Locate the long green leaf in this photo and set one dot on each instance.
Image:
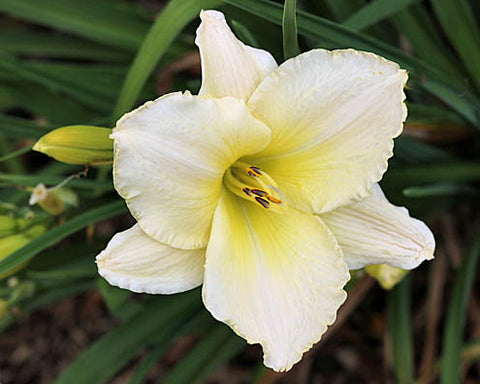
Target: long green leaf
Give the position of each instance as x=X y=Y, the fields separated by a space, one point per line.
x=417 y=175
x=202 y=321
x=53 y=45
x=109 y=22
x=375 y=12
x=439 y=189
x=289 y=29
x=459 y=24
x=342 y=9
x=83 y=93
x=456 y=317
x=176 y=15
x=216 y=348
x=7 y=179
x=399 y=321
x=60 y=232
x=464 y=104
x=16 y=153
x=425 y=40
x=109 y=354
x=11 y=126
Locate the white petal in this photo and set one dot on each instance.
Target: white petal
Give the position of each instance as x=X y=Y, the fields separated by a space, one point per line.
x=229 y=67
x=333 y=116
x=170 y=156
x=135 y=261
x=276 y=279
x=373 y=231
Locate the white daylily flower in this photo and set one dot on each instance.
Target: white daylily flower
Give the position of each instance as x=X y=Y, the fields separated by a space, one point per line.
x=263 y=188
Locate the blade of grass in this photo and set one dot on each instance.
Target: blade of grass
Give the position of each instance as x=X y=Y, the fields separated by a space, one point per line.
x=411 y=151
x=375 y=12
x=116 y=299
x=440 y=189
x=244 y=34
x=399 y=320
x=33 y=180
x=459 y=25
x=201 y=322
x=81 y=92
x=289 y=29
x=462 y=102
x=58 y=233
x=424 y=38
x=456 y=315
x=15 y=154
x=44 y=104
x=53 y=45
x=219 y=346
x=169 y=23
x=110 y=22
x=17 y=127
x=343 y=9
x=449 y=172
x=111 y=352
x=77 y=269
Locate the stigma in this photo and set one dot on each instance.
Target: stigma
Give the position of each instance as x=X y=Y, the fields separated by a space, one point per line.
x=253 y=184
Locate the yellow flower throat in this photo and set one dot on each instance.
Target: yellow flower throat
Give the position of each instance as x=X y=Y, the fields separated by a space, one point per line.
x=253 y=184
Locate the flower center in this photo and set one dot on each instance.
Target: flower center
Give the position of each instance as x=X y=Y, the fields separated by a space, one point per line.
x=253 y=184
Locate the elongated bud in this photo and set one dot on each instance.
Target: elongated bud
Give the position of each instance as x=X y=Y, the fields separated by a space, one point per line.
x=8 y=225
x=386 y=275
x=10 y=244
x=78 y=144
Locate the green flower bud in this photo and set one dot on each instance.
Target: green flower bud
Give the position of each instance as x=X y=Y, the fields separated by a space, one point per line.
x=8 y=225
x=78 y=144
x=10 y=244
x=386 y=275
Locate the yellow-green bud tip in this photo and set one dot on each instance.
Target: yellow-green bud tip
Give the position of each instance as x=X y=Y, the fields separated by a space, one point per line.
x=77 y=144
x=386 y=275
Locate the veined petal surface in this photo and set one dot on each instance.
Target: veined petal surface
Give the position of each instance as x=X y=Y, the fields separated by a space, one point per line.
x=135 y=261
x=374 y=231
x=276 y=279
x=229 y=67
x=170 y=156
x=333 y=116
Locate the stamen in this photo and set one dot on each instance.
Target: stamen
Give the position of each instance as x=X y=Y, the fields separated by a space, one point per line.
x=251 y=183
x=253 y=171
x=264 y=203
x=247 y=191
x=259 y=192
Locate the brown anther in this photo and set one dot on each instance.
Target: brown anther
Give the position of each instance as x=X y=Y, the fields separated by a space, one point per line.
x=264 y=203
x=246 y=190
x=253 y=171
x=259 y=192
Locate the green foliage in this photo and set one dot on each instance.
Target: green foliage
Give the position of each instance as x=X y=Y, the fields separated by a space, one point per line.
x=399 y=321
x=70 y=62
x=453 y=337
